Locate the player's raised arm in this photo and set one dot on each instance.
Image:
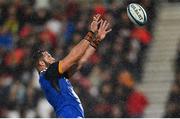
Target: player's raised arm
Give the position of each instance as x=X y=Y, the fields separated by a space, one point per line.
x=78 y=51
x=101 y=33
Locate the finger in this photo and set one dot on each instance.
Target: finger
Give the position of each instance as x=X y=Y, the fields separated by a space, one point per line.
x=108 y=30
x=104 y=24
x=101 y=24
x=96 y=17
x=107 y=25
x=100 y=21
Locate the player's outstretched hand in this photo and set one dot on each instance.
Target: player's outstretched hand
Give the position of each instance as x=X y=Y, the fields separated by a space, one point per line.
x=103 y=29
x=95 y=22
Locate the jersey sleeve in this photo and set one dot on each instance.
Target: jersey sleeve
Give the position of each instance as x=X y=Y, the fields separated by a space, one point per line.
x=60 y=70
x=60 y=67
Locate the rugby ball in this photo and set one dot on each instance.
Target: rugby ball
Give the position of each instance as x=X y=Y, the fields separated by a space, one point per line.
x=137 y=14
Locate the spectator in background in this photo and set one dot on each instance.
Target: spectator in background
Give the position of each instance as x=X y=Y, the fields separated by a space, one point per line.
x=6 y=39
x=11 y=22
x=136 y=102
x=172 y=106
x=3 y=13
x=141 y=39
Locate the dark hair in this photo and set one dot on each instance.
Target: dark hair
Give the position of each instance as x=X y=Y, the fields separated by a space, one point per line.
x=37 y=55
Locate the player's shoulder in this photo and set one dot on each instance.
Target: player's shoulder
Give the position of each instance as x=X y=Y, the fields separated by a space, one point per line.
x=52 y=71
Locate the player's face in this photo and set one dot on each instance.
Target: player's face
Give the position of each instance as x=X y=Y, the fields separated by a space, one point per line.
x=47 y=58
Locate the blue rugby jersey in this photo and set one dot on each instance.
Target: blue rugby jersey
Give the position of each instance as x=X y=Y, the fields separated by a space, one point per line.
x=60 y=94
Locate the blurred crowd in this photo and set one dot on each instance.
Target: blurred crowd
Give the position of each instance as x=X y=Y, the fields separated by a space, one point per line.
x=172 y=106
x=173 y=102
x=105 y=84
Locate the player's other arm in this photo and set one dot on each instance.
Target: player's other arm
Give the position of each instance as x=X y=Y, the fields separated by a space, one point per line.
x=77 y=52
x=101 y=33
x=89 y=52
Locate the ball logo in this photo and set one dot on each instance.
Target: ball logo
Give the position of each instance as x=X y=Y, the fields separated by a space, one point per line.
x=137 y=14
